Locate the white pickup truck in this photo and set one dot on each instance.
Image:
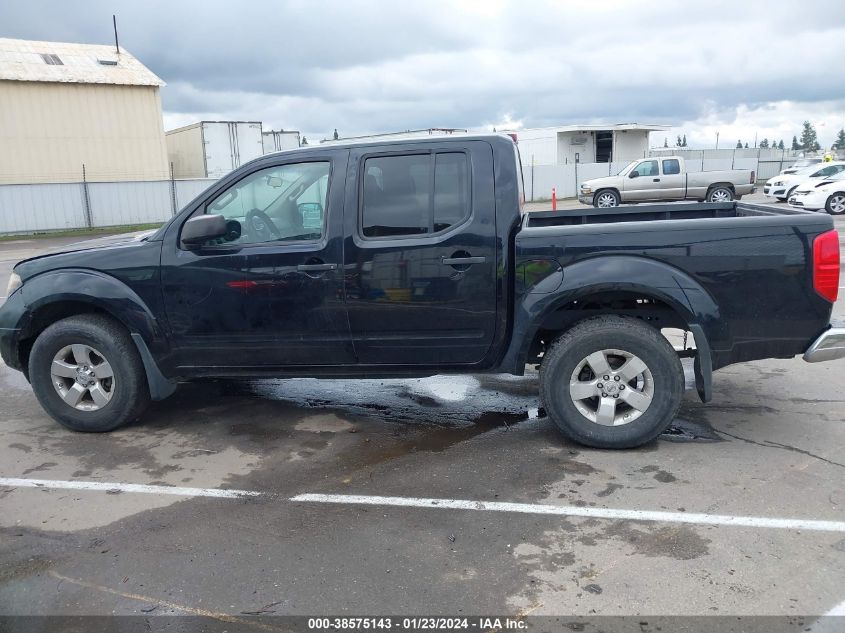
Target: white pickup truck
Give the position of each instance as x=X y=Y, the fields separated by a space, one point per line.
x=666 y=178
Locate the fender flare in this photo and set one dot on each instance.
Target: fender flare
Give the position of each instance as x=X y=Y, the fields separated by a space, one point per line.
x=111 y=296
x=637 y=274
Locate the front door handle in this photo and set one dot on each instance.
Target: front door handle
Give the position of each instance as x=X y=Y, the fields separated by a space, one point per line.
x=657 y=180
x=315 y=268
x=462 y=261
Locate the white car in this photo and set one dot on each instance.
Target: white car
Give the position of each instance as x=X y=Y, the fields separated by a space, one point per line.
x=798 y=165
x=827 y=194
x=781 y=187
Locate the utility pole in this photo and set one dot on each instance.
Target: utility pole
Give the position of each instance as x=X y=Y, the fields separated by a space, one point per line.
x=717 y=140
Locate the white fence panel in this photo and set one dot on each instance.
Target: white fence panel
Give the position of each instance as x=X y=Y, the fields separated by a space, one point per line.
x=116 y=203
x=41 y=207
x=187 y=190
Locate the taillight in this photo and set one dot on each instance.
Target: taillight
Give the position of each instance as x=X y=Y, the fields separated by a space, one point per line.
x=751 y=182
x=826 y=265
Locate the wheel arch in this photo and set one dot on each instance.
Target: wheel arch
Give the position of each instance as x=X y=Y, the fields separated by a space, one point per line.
x=57 y=295
x=661 y=295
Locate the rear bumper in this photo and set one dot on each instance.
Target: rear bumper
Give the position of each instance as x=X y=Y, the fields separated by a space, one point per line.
x=830 y=345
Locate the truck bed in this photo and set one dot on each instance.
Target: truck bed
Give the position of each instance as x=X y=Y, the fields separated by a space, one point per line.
x=751 y=264
x=651 y=212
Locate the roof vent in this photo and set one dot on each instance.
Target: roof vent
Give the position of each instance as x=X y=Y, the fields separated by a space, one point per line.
x=107 y=62
x=51 y=60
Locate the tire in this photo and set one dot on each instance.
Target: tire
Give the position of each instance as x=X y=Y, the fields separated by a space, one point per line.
x=79 y=346
x=606 y=199
x=720 y=193
x=660 y=385
x=835 y=204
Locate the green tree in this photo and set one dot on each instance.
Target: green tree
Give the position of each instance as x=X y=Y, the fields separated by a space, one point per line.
x=739 y=144
x=335 y=135
x=809 y=139
x=304 y=141
x=678 y=143
x=764 y=144
x=684 y=141
x=665 y=142
x=780 y=145
x=840 y=139
x=746 y=146
x=795 y=144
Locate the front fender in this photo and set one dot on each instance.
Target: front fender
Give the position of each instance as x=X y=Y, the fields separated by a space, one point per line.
x=98 y=290
x=641 y=275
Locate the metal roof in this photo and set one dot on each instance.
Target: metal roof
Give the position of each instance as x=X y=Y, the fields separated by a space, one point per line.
x=29 y=60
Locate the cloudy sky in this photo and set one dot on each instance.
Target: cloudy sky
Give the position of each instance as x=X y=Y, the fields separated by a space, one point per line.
x=361 y=66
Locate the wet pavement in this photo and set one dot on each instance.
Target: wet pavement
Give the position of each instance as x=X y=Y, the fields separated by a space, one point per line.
x=771 y=444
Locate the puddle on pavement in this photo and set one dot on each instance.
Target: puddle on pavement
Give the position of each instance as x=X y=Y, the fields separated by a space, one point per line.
x=686 y=430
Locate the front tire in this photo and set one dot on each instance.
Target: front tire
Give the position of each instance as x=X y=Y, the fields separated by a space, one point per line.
x=606 y=199
x=611 y=382
x=88 y=375
x=835 y=204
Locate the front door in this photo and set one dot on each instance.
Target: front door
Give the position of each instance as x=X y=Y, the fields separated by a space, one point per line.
x=269 y=293
x=643 y=182
x=420 y=254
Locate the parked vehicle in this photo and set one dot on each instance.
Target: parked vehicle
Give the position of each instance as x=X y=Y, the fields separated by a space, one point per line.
x=666 y=178
x=829 y=194
x=782 y=187
x=413 y=258
x=211 y=149
x=280 y=140
x=800 y=164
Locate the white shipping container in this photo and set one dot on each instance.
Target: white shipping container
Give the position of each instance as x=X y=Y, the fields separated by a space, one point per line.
x=211 y=149
x=279 y=140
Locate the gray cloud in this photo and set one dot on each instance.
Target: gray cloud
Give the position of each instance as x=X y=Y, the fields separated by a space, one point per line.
x=371 y=65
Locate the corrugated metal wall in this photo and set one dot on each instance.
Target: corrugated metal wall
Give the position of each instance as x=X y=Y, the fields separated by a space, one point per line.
x=50 y=206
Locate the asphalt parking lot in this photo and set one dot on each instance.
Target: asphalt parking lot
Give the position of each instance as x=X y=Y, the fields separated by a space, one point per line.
x=743 y=504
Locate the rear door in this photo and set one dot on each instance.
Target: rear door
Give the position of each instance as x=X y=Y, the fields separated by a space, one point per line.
x=420 y=253
x=643 y=182
x=672 y=180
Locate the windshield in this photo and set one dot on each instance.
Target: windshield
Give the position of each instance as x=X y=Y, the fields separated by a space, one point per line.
x=627 y=168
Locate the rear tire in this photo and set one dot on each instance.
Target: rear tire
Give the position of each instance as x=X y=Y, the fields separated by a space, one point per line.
x=88 y=375
x=835 y=204
x=606 y=199
x=606 y=419
x=720 y=193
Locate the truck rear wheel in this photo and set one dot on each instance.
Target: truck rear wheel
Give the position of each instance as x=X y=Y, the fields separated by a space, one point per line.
x=720 y=193
x=88 y=375
x=611 y=382
x=606 y=199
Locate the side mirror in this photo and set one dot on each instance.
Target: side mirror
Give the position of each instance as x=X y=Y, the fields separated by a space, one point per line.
x=634 y=174
x=202 y=228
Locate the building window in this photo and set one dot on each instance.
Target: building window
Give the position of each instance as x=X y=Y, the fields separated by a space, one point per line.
x=51 y=60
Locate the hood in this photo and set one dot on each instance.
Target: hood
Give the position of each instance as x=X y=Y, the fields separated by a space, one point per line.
x=84 y=253
x=595 y=183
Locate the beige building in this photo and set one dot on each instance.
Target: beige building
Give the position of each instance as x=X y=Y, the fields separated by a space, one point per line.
x=63 y=106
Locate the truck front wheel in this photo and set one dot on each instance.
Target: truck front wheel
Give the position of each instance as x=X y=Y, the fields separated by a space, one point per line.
x=611 y=382
x=87 y=374
x=606 y=199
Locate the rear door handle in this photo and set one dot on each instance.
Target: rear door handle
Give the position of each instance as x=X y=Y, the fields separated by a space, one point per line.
x=315 y=268
x=462 y=261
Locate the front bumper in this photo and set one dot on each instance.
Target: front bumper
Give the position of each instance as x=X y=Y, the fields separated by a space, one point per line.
x=807 y=201
x=585 y=198
x=830 y=345
x=11 y=318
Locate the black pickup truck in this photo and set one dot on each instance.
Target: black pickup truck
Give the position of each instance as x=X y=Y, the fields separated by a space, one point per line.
x=413 y=258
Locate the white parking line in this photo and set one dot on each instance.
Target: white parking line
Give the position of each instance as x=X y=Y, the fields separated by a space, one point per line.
x=446 y=504
x=597 y=513
x=830 y=622
x=140 y=488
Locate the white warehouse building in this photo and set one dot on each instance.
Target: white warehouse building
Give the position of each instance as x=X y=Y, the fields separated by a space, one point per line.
x=563 y=145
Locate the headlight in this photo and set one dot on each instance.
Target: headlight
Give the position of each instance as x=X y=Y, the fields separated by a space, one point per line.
x=586 y=188
x=14 y=283
x=777 y=183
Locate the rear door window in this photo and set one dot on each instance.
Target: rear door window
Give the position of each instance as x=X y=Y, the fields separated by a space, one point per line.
x=671 y=167
x=414 y=194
